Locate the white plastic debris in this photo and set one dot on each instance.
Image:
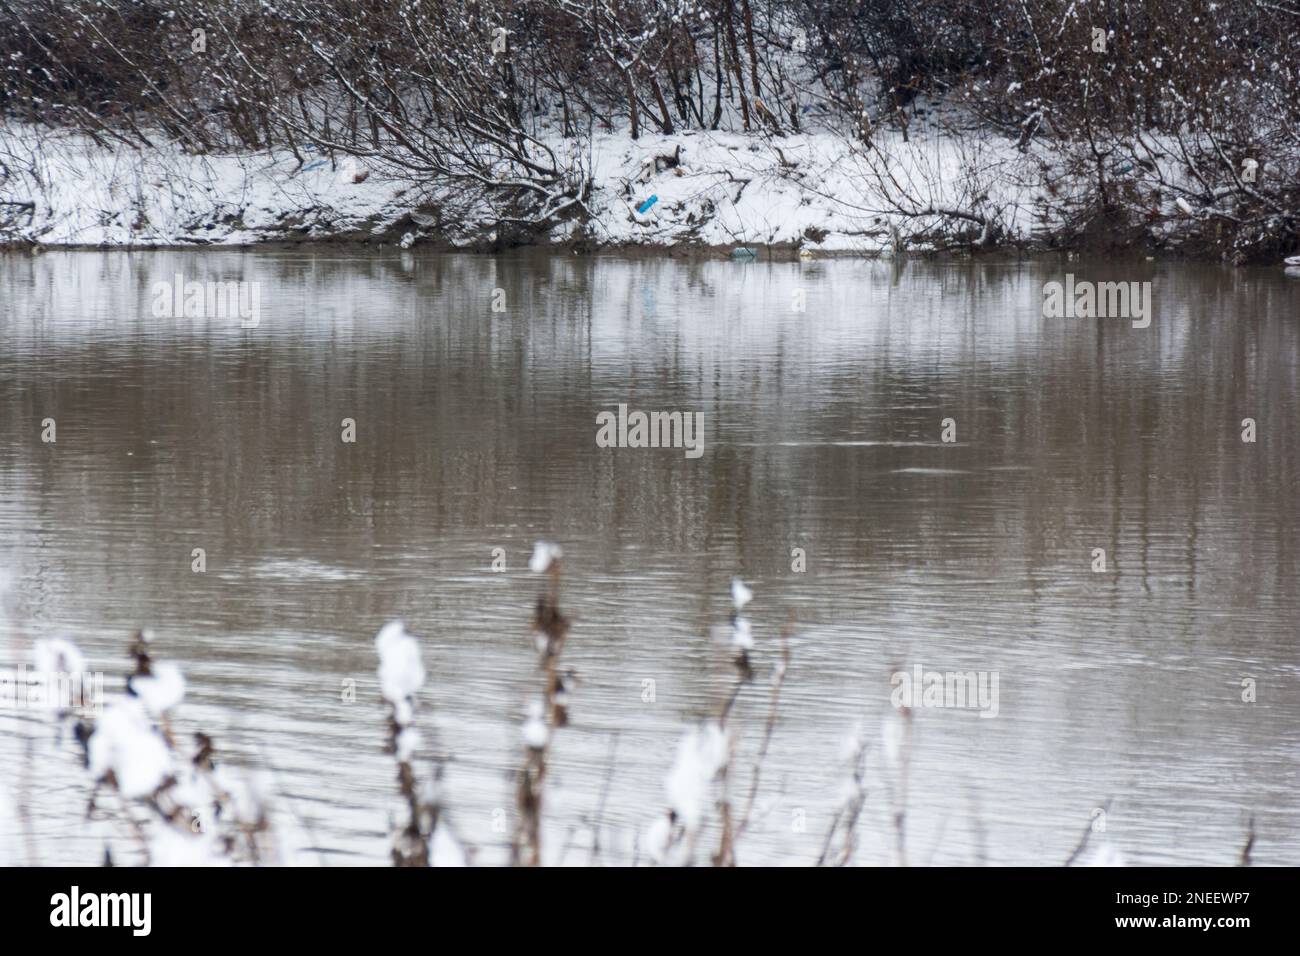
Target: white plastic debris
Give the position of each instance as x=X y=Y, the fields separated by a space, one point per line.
x=543 y=554
x=407 y=240
x=740 y=594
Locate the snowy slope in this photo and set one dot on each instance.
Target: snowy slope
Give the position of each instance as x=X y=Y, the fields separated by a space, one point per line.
x=816 y=191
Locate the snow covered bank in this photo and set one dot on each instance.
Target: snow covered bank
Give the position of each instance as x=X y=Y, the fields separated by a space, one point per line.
x=810 y=192
x=853 y=128
x=694 y=189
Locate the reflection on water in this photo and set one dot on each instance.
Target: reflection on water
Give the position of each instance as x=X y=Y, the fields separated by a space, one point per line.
x=475 y=430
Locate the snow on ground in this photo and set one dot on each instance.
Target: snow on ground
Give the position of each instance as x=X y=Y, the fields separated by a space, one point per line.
x=813 y=190
x=86 y=194
x=810 y=190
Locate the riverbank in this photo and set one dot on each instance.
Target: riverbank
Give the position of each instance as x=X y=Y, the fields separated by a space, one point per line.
x=698 y=192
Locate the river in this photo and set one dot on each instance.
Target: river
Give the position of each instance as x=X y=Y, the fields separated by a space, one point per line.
x=1154 y=698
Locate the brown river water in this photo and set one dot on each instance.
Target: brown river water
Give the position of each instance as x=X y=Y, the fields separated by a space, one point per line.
x=475 y=430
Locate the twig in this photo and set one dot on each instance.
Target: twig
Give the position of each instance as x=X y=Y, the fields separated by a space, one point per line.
x=1087 y=835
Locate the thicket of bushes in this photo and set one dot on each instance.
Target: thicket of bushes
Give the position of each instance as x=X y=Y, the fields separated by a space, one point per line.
x=1133 y=103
